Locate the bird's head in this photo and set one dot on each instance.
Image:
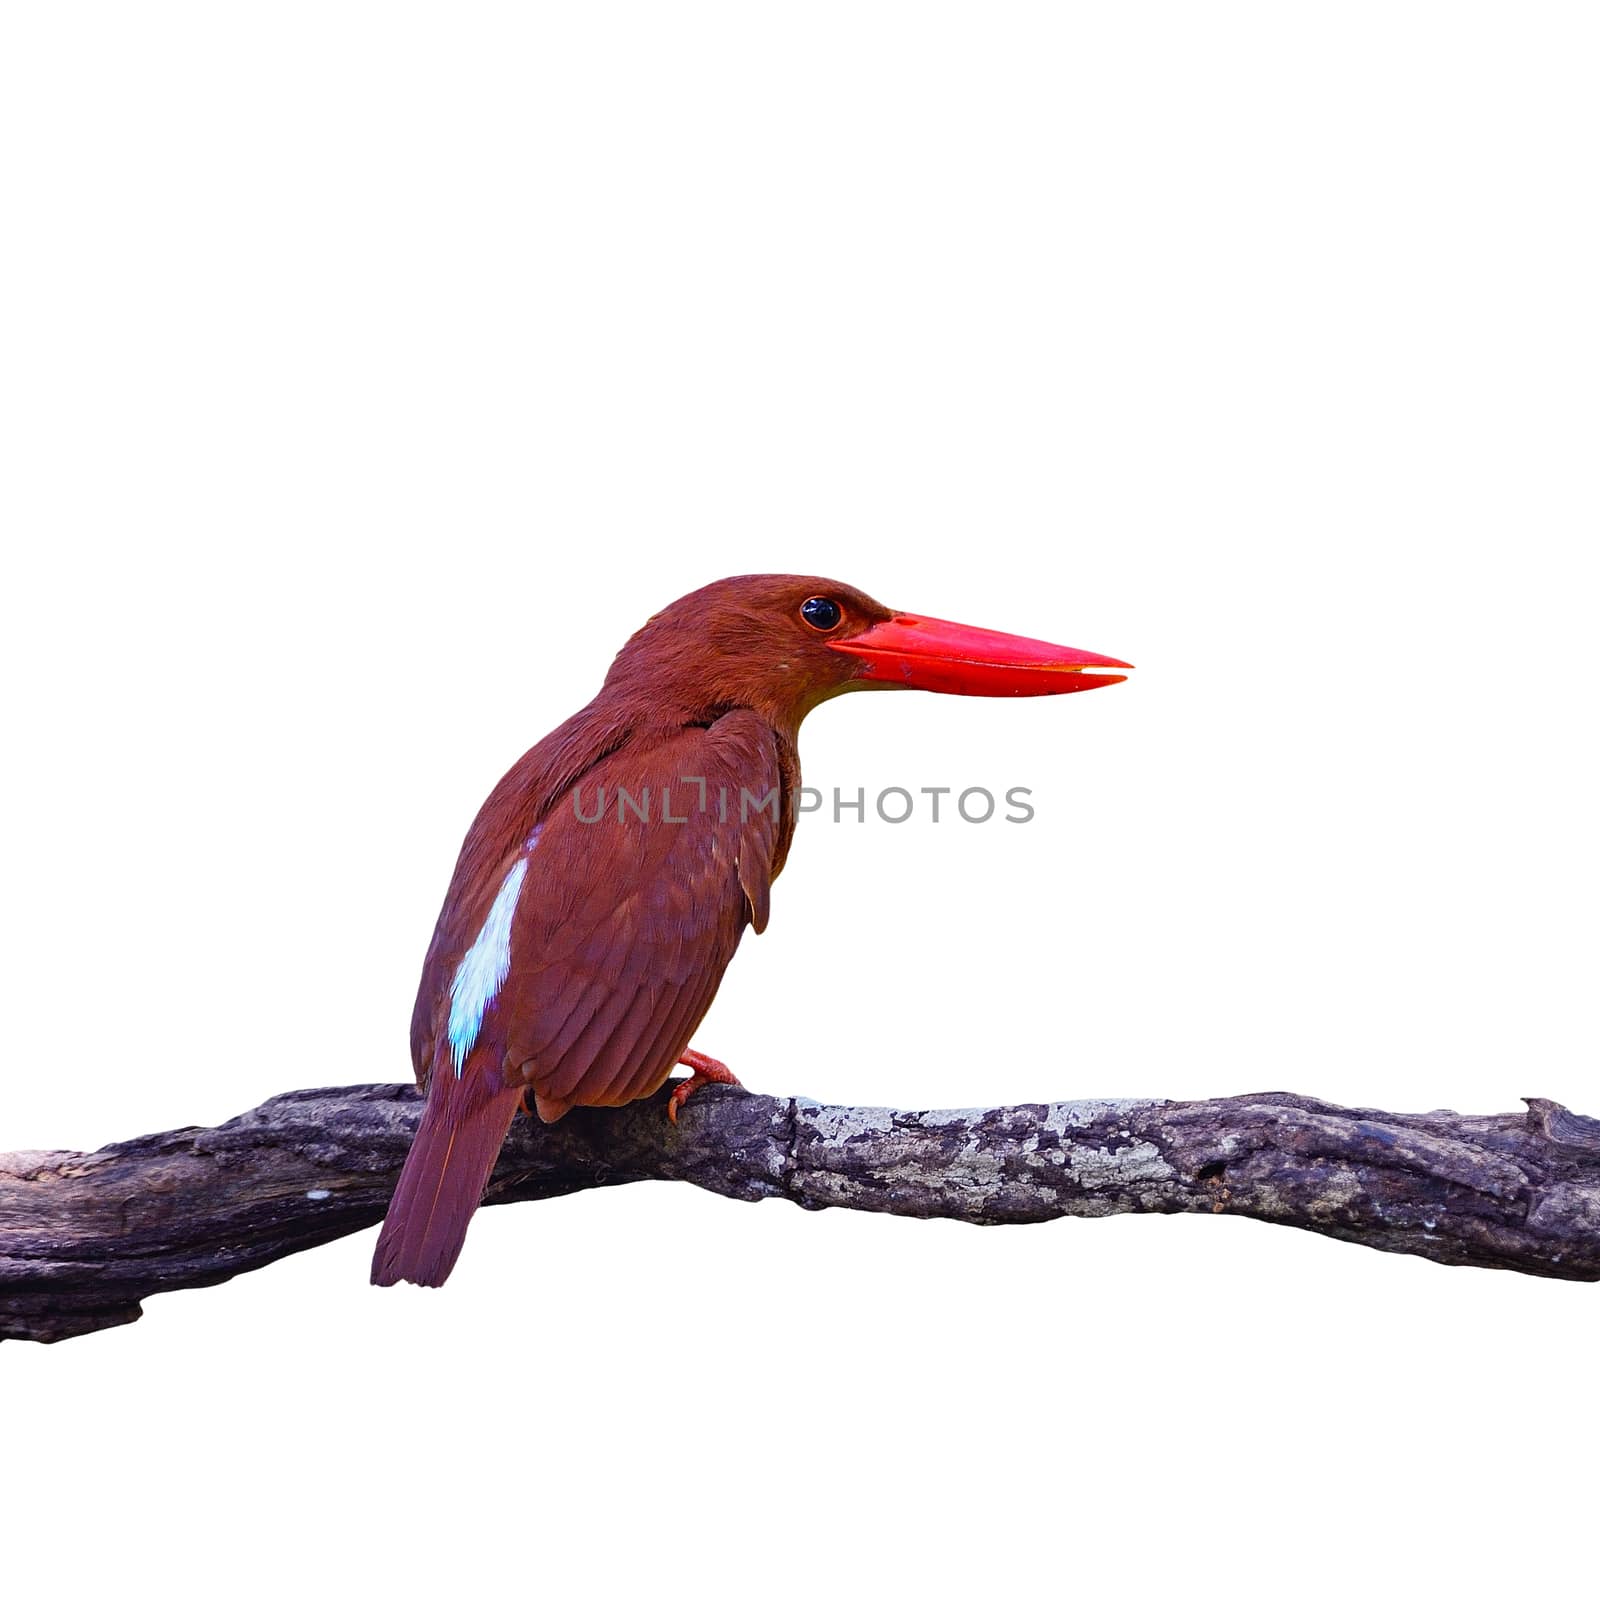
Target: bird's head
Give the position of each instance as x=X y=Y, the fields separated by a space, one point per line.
x=783 y=644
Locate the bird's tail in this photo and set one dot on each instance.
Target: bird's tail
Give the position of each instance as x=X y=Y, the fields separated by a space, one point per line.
x=464 y=1123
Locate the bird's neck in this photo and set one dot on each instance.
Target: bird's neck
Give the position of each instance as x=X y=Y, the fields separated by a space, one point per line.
x=655 y=710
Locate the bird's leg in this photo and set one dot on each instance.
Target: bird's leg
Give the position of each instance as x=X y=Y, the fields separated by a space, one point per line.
x=706 y=1070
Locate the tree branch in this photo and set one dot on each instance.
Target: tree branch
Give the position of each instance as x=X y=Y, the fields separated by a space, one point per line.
x=84 y=1238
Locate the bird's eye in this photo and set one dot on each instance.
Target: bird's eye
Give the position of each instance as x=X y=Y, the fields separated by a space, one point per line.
x=823 y=614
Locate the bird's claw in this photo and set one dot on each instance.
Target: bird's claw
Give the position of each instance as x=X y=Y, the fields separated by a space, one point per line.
x=706 y=1070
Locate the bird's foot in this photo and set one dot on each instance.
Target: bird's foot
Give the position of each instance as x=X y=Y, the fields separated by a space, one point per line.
x=706 y=1070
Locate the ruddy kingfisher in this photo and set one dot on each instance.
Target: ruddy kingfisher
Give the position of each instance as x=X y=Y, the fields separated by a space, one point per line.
x=606 y=882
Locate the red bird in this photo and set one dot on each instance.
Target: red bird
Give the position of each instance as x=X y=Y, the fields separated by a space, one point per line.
x=606 y=882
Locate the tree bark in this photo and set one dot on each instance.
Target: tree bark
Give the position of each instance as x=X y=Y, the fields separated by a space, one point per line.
x=84 y=1238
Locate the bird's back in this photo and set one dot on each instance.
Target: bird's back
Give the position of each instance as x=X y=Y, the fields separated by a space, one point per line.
x=613 y=908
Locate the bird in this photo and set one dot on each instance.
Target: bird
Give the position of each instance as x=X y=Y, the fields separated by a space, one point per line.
x=607 y=880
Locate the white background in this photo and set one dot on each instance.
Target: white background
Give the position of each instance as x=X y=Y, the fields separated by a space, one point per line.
x=371 y=372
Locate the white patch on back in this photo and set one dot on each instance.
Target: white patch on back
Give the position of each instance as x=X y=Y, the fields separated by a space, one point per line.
x=484 y=967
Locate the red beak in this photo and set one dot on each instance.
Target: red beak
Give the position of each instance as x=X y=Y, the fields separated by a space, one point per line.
x=950 y=658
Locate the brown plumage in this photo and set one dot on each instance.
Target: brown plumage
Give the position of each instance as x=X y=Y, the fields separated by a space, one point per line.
x=606 y=882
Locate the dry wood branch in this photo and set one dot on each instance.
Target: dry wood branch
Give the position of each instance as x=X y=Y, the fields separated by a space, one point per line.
x=84 y=1238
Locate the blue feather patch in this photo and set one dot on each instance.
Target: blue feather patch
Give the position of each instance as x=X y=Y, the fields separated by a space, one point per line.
x=484 y=967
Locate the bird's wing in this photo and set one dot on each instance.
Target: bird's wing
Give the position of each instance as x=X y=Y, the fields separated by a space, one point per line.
x=620 y=928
